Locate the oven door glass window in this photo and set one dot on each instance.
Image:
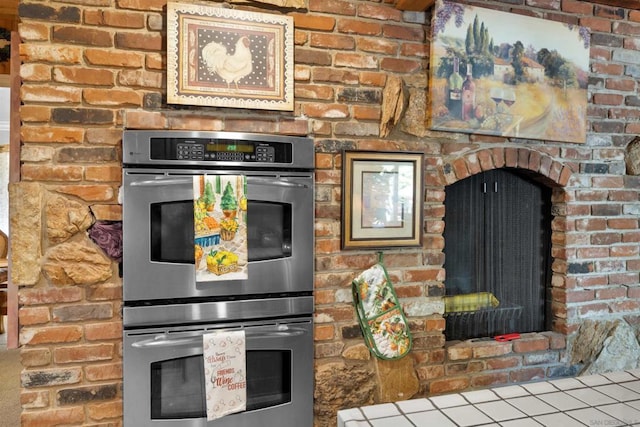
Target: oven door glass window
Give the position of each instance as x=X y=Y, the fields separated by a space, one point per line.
x=178 y=390
x=172 y=238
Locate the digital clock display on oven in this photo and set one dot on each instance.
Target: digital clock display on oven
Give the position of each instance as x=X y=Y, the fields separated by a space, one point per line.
x=229 y=148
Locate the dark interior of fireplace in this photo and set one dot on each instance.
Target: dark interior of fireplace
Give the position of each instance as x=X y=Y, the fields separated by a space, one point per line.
x=497 y=255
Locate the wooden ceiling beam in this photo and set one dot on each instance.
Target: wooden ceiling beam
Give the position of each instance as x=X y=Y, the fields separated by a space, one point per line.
x=9 y=7
x=420 y=5
x=627 y=4
x=415 y=5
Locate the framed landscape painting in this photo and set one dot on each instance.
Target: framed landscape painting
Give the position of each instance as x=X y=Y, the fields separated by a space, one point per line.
x=503 y=74
x=224 y=57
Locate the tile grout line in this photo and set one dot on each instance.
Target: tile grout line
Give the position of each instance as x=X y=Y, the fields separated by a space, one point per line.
x=616 y=394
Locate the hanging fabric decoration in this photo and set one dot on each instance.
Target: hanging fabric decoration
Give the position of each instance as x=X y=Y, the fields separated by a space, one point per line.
x=220 y=227
x=225 y=373
x=381 y=318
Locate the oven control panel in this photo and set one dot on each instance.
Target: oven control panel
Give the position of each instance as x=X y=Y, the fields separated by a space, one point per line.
x=225 y=153
x=207 y=149
x=220 y=150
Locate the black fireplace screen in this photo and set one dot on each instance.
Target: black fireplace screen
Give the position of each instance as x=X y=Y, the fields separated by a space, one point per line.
x=497 y=255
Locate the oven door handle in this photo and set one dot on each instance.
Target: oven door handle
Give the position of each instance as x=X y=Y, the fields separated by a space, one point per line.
x=162 y=340
x=250 y=179
x=273 y=183
x=161 y=182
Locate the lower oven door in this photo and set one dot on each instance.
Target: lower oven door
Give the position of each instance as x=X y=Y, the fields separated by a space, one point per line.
x=164 y=376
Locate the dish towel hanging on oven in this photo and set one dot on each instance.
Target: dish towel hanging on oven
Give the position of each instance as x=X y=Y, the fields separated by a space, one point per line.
x=220 y=227
x=225 y=373
x=384 y=326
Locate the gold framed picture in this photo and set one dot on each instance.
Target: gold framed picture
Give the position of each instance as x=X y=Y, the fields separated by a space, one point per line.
x=224 y=57
x=382 y=199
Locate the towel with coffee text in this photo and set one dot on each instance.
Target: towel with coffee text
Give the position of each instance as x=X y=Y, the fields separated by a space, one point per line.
x=225 y=373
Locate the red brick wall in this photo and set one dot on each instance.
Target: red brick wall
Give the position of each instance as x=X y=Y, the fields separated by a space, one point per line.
x=92 y=68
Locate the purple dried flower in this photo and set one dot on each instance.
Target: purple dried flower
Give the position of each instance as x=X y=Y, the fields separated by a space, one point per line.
x=108 y=236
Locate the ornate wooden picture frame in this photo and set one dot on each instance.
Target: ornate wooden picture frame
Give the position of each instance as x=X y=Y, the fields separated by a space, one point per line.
x=224 y=57
x=382 y=199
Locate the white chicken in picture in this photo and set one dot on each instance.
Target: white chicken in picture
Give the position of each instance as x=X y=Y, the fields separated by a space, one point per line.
x=231 y=68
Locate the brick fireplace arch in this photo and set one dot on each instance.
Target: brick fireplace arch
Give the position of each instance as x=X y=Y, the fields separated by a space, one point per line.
x=552 y=172
x=544 y=169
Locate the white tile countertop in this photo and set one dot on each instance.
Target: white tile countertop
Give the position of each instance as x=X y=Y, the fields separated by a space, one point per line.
x=605 y=400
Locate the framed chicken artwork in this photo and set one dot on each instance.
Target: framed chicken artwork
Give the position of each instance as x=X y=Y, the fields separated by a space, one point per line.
x=224 y=57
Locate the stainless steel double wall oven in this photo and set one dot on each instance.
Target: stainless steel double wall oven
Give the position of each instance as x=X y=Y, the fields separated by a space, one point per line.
x=166 y=311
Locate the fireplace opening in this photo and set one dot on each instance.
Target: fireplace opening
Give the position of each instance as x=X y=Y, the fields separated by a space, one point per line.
x=497 y=255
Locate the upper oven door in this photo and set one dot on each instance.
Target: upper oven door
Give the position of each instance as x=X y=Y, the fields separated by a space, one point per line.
x=158 y=236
